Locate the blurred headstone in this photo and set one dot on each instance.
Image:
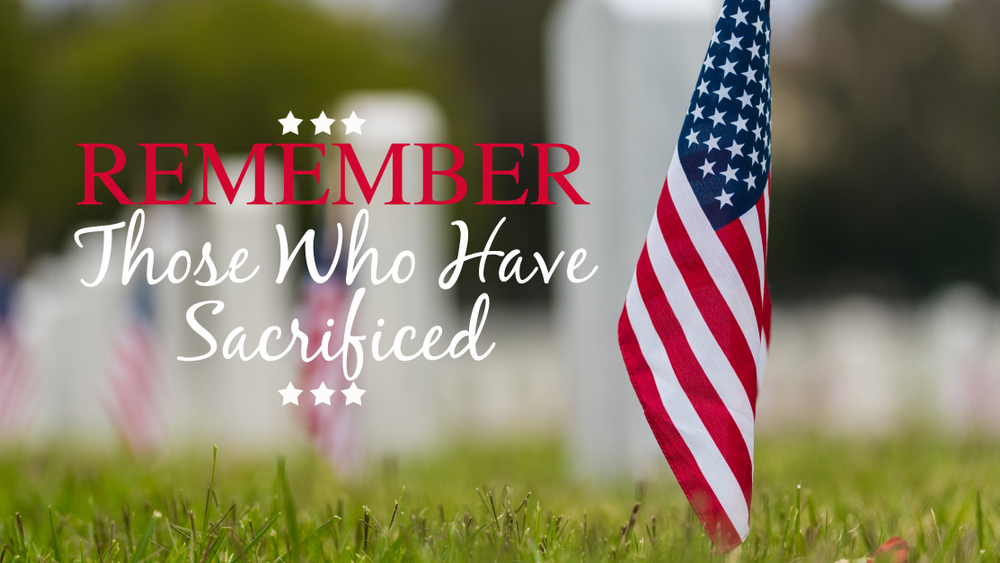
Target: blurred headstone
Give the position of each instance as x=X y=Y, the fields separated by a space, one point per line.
x=621 y=74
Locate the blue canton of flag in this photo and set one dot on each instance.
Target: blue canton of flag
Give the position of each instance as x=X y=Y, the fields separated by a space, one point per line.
x=725 y=145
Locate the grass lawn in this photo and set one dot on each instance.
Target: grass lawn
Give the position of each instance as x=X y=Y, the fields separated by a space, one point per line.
x=515 y=502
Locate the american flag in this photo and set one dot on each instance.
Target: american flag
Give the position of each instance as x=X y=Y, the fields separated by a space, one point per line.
x=134 y=375
x=335 y=429
x=696 y=324
x=14 y=388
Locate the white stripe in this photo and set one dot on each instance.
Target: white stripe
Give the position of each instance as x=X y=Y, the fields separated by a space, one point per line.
x=761 y=357
x=703 y=344
x=713 y=254
x=751 y=224
x=689 y=425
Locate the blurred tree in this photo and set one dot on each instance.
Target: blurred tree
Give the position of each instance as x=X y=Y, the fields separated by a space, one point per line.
x=219 y=71
x=899 y=195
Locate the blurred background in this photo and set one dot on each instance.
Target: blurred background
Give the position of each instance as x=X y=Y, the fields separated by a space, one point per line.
x=884 y=257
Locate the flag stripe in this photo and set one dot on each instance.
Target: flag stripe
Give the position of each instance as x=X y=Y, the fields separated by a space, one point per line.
x=649 y=366
x=701 y=392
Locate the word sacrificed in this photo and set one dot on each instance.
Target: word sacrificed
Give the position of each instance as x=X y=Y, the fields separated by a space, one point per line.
x=351 y=352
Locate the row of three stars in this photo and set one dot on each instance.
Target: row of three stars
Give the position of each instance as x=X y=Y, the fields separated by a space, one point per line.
x=291 y=395
x=290 y=124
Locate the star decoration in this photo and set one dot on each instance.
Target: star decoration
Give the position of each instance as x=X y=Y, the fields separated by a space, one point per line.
x=707 y=169
x=734 y=42
x=718 y=118
x=746 y=99
x=751 y=181
x=353 y=125
x=692 y=139
x=696 y=112
x=735 y=150
x=709 y=62
x=323 y=394
x=740 y=17
x=741 y=124
x=703 y=87
x=725 y=199
x=730 y=174
x=322 y=123
x=715 y=38
x=353 y=394
x=712 y=143
x=723 y=92
x=728 y=68
x=759 y=26
x=751 y=75
x=754 y=51
x=290 y=394
x=290 y=124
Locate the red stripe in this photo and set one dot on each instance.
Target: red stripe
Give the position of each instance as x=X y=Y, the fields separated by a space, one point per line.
x=706 y=295
x=737 y=243
x=691 y=376
x=692 y=481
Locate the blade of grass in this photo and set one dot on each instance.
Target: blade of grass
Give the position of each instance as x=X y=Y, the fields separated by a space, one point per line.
x=259 y=535
x=211 y=484
x=140 y=549
x=56 y=552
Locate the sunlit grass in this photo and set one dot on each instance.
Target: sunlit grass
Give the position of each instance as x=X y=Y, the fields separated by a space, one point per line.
x=515 y=502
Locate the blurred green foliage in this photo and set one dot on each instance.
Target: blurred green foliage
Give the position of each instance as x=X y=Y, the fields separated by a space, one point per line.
x=899 y=193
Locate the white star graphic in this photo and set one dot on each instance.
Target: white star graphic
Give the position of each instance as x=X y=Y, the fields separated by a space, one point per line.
x=753 y=156
x=740 y=17
x=734 y=42
x=703 y=87
x=712 y=143
x=751 y=75
x=353 y=394
x=746 y=98
x=715 y=38
x=323 y=394
x=735 y=150
x=730 y=174
x=290 y=394
x=767 y=35
x=692 y=139
x=322 y=123
x=290 y=124
x=763 y=5
x=754 y=51
x=718 y=118
x=707 y=169
x=741 y=124
x=725 y=199
x=759 y=26
x=751 y=182
x=723 y=92
x=353 y=125
x=767 y=56
x=709 y=63
x=756 y=132
x=728 y=68
x=696 y=112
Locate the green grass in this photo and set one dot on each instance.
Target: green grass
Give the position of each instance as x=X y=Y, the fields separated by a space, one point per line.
x=502 y=503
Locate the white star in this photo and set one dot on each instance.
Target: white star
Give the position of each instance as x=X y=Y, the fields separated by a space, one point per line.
x=290 y=394
x=767 y=57
x=703 y=87
x=290 y=124
x=735 y=150
x=733 y=42
x=723 y=92
x=707 y=169
x=740 y=17
x=730 y=174
x=741 y=124
x=746 y=98
x=718 y=118
x=692 y=139
x=696 y=112
x=753 y=156
x=760 y=107
x=712 y=143
x=751 y=75
x=759 y=26
x=728 y=68
x=754 y=51
x=353 y=124
x=322 y=123
x=756 y=132
x=725 y=199
x=709 y=63
x=751 y=181
x=715 y=38
x=353 y=394
x=763 y=6
x=323 y=394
